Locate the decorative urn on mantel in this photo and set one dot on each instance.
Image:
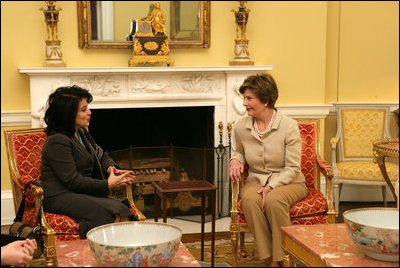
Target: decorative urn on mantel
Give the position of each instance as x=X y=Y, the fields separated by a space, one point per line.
x=53 y=45
x=241 y=44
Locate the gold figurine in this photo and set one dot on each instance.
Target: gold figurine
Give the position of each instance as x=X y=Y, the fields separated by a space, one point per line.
x=241 y=44
x=150 y=43
x=53 y=45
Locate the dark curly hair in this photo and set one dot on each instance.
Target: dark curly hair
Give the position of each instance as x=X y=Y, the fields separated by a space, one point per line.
x=263 y=86
x=62 y=109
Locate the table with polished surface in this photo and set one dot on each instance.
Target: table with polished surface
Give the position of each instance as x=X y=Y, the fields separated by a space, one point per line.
x=325 y=245
x=386 y=148
x=161 y=189
x=77 y=253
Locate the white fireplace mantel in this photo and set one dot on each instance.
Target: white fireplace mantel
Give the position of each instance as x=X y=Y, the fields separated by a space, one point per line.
x=139 y=87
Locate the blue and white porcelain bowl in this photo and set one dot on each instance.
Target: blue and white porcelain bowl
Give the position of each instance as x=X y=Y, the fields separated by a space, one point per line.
x=376 y=230
x=134 y=244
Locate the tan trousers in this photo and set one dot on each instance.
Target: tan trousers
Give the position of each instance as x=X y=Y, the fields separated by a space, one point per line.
x=265 y=226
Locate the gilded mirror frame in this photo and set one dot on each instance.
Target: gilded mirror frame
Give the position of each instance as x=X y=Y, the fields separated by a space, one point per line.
x=85 y=32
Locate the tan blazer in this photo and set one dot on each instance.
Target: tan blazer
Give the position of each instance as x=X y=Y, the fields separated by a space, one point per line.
x=275 y=158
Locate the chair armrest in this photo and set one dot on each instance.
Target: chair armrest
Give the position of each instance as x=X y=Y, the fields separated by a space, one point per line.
x=235 y=196
x=234 y=225
x=327 y=171
x=325 y=168
x=49 y=235
x=334 y=141
x=129 y=196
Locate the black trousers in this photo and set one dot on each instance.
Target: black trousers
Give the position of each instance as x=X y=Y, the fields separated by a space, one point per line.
x=7 y=239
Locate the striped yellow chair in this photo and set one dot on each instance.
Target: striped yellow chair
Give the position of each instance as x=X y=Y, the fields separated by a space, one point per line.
x=352 y=155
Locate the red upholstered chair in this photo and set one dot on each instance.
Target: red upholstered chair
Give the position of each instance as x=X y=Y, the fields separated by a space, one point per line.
x=313 y=209
x=24 y=149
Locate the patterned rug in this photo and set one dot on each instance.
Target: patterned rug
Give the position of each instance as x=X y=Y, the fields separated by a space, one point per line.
x=223 y=253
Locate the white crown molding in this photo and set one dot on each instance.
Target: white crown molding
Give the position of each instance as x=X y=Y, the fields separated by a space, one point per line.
x=15 y=118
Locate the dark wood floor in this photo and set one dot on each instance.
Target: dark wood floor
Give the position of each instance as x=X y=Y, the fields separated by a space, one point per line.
x=188 y=238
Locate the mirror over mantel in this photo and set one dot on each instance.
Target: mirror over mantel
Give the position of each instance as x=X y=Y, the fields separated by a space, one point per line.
x=107 y=24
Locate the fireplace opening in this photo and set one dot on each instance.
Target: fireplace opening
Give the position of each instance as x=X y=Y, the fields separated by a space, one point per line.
x=160 y=144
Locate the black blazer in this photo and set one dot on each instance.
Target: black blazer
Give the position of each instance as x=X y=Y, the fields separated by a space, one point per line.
x=67 y=166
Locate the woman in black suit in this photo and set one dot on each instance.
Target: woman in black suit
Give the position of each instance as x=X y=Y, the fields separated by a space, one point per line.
x=76 y=173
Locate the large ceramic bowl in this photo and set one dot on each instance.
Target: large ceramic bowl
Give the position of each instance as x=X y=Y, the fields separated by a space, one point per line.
x=134 y=244
x=376 y=230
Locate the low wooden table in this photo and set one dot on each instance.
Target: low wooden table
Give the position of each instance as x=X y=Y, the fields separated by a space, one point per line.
x=325 y=245
x=161 y=190
x=77 y=253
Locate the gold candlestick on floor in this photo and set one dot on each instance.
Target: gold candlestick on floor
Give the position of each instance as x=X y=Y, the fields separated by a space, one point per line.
x=53 y=45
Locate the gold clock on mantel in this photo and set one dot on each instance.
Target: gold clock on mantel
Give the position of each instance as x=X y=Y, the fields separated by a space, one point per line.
x=150 y=43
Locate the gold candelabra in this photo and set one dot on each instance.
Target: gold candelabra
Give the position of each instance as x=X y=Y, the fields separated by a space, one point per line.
x=241 y=44
x=53 y=45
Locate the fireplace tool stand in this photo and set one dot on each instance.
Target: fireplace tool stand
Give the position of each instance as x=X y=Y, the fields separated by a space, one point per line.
x=220 y=151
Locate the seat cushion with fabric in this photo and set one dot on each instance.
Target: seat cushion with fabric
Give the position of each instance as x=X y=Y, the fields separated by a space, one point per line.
x=366 y=170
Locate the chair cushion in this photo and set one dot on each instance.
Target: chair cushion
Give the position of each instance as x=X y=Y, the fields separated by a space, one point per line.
x=366 y=170
x=313 y=205
x=59 y=223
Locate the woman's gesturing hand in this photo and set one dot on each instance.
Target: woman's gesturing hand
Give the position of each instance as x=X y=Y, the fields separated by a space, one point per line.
x=123 y=178
x=235 y=170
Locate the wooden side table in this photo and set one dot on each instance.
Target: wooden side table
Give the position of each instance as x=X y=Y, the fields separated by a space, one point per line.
x=163 y=188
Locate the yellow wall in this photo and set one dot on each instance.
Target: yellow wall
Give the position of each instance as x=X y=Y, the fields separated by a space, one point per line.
x=369 y=51
x=321 y=51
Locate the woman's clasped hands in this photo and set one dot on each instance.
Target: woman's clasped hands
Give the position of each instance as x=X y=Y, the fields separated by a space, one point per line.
x=119 y=177
x=18 y=253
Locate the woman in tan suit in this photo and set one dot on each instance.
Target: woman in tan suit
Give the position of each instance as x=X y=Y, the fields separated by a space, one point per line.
x=270 y=144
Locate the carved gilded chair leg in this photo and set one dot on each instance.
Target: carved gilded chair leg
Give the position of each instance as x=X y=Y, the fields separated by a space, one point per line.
x=49 y=249
x=242 y=238
x=234 y=230
x=384 y=195
x=234 y=242
x=336 y=196
x=287 y=260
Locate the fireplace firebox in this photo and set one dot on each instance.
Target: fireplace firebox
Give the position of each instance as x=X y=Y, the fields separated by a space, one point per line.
x=159 y=144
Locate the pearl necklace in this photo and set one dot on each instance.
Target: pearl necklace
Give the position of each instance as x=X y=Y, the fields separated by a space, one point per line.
x=260 y=133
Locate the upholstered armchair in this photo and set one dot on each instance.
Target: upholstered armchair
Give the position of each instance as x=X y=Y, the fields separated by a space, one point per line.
x=24 y=148
x=313 y=209
x=352 y=149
